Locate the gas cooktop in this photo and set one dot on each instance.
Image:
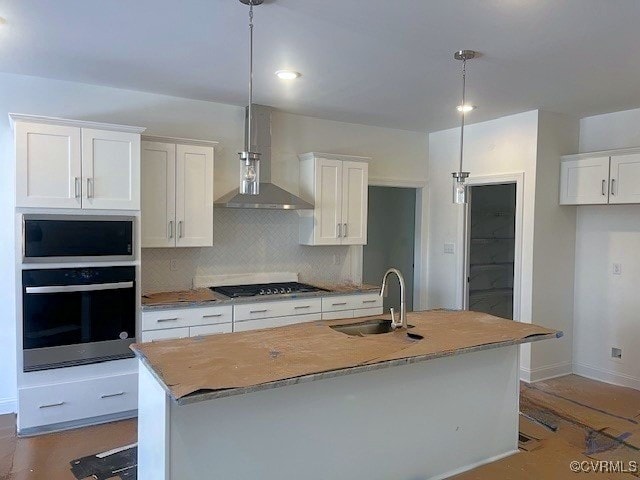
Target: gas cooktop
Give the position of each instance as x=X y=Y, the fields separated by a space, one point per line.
x=235 y=291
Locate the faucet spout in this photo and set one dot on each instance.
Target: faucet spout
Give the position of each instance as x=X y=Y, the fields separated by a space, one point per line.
x=402 y=323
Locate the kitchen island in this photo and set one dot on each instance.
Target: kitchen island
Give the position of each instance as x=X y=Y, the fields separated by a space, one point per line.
x=315 y=401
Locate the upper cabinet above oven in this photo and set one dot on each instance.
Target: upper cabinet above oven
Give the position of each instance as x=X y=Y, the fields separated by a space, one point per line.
x=73 y=164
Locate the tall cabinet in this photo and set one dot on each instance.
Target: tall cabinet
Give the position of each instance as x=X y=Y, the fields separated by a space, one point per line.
x=74 y=164
x=177 y=192
x=337 y=185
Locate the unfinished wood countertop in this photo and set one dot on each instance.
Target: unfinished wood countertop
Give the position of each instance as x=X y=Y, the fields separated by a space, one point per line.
x=203 y=368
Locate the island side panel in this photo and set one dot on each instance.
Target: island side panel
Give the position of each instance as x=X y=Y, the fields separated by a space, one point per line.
x=424 y=420
x=153 y=427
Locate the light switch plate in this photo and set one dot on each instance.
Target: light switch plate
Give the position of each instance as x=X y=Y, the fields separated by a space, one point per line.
x=173 y=265
x=449 y=248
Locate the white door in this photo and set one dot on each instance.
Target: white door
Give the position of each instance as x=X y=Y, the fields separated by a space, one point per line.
x=48 y=166
x=158 y=186
x=110 y=170
x=625 y=179
x=194 y=196
x=328 y=202
x=355 y=189
x=584 y=181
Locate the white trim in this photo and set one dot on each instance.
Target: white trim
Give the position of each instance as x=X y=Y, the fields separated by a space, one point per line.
x=607 y=376
x=396 y=182
x=332 y=156
x=545 y=372
x=463 y=267
x=8 y=405
x=601 y=153
x=21 y=117
x=182 y=141
x=466 y=468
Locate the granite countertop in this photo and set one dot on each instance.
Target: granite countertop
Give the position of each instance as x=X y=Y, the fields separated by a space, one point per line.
x=204 y=297
x=205 y=368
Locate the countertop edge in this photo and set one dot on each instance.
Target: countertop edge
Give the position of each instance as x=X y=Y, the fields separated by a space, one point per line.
x=230 y=392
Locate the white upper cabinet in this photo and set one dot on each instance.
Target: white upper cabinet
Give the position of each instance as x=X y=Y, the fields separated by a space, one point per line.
x=177 y=192
x=611 y=177
x=337 y=185
x=75 y=164
x=110 y=170
x=48 y=167
x=625 y=179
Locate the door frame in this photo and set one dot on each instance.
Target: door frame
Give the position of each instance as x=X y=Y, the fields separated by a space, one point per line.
x=464 y=234
x=420 y=241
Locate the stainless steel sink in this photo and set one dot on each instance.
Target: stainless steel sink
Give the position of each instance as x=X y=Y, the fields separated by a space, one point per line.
x=368 y=327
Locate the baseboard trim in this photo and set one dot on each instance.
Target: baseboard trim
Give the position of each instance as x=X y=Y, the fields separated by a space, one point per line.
x=607 y=376
x=84 y=422
x=466 y=468
x=545 y=372
x=8 y=405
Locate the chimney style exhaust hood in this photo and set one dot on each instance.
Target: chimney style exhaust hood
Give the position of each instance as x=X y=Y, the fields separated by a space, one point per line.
x=271 y=196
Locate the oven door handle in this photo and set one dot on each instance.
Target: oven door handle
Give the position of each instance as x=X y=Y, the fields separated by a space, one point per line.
x=79 y=288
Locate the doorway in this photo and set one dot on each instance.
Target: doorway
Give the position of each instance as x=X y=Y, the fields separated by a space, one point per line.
x=391 y=241
x=491 y=249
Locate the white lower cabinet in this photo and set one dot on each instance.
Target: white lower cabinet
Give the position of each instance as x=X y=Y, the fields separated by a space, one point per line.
x=49 y=406
x=244 y=325
x=165 y=334
x=210 y=329
x=175 y=323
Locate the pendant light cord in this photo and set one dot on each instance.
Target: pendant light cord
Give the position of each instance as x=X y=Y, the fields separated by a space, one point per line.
x=464 y=74
x=248 y=140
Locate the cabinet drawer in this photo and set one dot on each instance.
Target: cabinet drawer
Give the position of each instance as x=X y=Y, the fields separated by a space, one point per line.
x=351 y=302
x=210 y=329
x=251 y=311
x=367 y=312
x=166 y=334
x=186 y=317
x=340 y=314
x=245 y=325
x=65 y=402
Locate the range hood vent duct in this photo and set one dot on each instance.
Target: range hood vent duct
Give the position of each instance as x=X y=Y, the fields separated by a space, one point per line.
x=271 y=196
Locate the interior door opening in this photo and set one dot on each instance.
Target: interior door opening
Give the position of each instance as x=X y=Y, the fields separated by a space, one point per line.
x=491 y=249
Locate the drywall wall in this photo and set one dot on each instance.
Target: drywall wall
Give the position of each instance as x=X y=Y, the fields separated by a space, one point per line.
x=606 y=306
x=529 y=143
x=396 y=154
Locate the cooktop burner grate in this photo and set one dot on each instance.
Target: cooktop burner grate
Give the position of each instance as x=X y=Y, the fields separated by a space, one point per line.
x=235 y=291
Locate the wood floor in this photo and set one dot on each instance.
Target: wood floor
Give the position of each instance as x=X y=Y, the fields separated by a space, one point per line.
x=562 y=420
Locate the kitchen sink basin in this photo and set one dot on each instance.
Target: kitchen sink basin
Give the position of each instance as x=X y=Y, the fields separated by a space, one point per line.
x=368 y=327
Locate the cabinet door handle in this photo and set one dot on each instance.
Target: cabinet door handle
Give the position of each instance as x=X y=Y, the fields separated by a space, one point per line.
x=340 y=303
x=344 y=230
x=162 y=320
x=613 y=182
x=89 y=188
x=258 y=311
x=52 y=405
x=76 y=187
x=109 y=395
x=339 y=230
x=180 y=229
x=212 y=315
x=604 y=186
x=302 y=306
x=170 y=228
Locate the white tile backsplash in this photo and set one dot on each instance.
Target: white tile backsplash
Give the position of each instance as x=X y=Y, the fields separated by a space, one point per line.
x=246 y=241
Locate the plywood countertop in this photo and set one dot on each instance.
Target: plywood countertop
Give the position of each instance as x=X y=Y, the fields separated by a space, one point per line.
x=204 y=368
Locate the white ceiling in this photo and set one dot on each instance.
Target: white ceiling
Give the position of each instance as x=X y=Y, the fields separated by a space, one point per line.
x=377 y=62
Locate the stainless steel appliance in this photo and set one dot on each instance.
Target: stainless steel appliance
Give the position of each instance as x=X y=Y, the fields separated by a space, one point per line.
x=75 y=316
x=235 y=291
x=70 y=238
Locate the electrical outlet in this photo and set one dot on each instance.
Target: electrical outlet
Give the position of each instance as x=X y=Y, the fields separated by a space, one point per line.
x=617 y=269
x=450 y=248
x=616 y=353
x=173 y=264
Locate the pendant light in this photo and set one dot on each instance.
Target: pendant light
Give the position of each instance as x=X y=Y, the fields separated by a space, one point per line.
x=250 y=161
x=459 y=187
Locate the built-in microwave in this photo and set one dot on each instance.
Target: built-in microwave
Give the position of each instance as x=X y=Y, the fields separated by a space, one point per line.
x=76 y=238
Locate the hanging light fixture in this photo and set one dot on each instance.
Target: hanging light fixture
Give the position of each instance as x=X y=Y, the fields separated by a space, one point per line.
x=250 y=161
x=459 y=187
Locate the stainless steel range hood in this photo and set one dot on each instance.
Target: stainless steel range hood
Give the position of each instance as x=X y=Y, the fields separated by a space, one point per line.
x=271 y=196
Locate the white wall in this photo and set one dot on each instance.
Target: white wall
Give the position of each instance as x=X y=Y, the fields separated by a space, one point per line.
x=396 y=154
x=607 y=306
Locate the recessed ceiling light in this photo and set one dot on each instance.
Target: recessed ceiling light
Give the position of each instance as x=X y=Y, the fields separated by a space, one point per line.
x=465 y=108
x=287 y=74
